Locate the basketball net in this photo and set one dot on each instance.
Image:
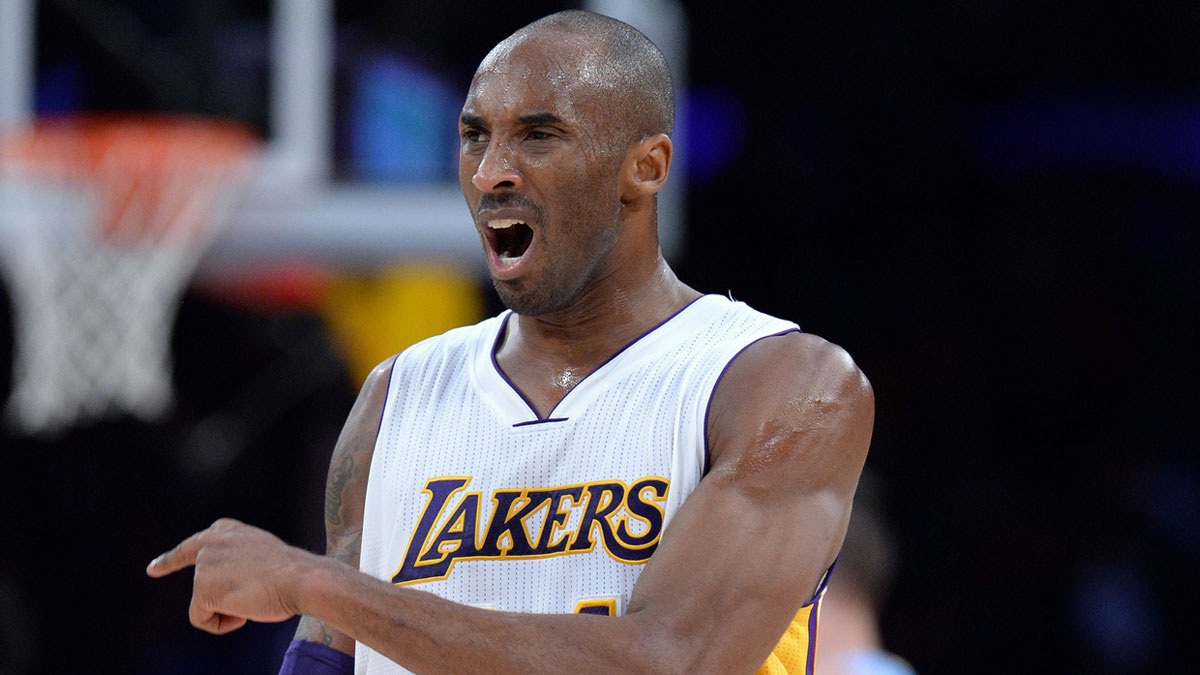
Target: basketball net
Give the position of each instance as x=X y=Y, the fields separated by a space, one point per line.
x=103 y=221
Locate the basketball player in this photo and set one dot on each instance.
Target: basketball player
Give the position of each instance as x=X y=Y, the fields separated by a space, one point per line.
x=617 y=475
x=851 y=640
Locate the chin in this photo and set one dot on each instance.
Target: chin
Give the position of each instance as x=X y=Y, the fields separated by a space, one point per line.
x=527 y=302
x=521 y=303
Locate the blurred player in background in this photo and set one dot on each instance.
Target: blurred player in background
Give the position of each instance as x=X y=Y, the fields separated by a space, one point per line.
x=619 y=474
x=850 y=639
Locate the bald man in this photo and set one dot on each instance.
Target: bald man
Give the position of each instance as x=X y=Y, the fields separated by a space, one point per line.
x=616 y=475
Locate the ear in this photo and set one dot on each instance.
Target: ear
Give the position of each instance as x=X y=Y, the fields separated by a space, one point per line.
x=646 y=167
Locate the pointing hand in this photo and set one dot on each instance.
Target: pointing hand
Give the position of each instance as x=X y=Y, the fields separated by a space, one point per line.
x=242 y=573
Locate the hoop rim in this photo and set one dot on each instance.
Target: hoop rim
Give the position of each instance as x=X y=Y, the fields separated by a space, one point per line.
x=151 y=174
x=199 y=138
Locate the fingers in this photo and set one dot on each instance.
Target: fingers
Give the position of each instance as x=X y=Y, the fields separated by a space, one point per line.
x=213 y=622
x=203 y=618
x=228 y=624
x=183 y=555
x=229 y=586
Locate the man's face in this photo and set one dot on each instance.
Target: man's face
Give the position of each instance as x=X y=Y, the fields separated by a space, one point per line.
x=539 y=169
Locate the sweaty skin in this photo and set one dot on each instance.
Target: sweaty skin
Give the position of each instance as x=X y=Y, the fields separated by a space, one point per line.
x=788 y=430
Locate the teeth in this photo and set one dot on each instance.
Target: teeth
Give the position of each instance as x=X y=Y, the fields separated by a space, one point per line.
x=503 y=223
x=508 y=260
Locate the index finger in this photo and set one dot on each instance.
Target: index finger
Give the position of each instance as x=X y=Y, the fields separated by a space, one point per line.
x=183 y=555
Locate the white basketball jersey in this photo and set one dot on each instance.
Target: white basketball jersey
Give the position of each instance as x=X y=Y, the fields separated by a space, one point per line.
x=474 y=498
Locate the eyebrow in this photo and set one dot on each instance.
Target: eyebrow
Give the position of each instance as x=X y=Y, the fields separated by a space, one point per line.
x=473 y=120
x=540 y=118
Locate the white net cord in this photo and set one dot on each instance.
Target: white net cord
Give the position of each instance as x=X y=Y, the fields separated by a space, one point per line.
x=93 y=312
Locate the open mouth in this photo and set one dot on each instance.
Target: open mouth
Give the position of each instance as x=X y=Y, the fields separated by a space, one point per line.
x=510 y=238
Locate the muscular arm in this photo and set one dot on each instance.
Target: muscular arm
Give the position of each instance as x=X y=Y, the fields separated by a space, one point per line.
x=789 y=428
x=345 y=494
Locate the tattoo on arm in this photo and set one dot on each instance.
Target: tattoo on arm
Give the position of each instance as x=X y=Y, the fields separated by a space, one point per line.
x=345 y=493
x=343 y=542
x=339 y=474
x=313 y=630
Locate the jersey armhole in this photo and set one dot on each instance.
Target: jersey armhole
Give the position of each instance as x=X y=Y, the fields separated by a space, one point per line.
x=716 y=383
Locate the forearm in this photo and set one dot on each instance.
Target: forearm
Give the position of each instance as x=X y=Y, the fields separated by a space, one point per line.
x=425 y=633
x=315 y=630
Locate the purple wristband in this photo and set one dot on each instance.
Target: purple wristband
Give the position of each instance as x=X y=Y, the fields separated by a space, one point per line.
x=310 y=658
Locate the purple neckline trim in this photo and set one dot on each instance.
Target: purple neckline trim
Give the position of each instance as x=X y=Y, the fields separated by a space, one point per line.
x=548 y=420
x=503 y=375
x=549 y=416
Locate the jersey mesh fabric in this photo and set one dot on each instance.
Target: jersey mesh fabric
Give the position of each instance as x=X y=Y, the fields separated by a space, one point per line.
x=451 y=415
x=796 y=650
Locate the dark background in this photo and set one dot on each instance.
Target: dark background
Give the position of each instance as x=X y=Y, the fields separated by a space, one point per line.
x=991 y=205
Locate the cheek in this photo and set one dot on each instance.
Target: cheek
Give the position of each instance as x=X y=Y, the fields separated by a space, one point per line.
x=592 y=207
x=587 y=191
x=603 y=185
x=467 y=162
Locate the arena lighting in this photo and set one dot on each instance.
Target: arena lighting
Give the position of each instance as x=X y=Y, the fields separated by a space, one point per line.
x=294 y=208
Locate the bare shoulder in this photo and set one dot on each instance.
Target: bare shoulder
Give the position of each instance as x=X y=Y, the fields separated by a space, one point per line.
x=358 y=434
x=363 y=423
x=373 y=394
x=795 y=408
x=350 y=463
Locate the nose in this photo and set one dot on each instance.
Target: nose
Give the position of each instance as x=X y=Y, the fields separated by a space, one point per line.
x=495 y=170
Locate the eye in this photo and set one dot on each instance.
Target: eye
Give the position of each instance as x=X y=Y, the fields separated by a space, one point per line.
x=539 y=135
x=473 y=135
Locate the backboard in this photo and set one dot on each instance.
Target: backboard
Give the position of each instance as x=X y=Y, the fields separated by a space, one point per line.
x=306 y=204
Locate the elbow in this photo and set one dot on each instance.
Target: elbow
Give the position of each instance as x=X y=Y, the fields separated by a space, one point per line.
x=655 y=647
x=661 y=650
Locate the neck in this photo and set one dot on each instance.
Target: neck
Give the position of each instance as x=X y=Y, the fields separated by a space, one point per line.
x=605 y=319
x=546 y=356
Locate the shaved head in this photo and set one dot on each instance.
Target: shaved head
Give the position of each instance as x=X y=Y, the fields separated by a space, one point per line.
x=563 y=148
x=619 y=61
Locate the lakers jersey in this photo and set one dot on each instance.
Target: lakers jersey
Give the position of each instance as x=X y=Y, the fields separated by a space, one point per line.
x=474 y=497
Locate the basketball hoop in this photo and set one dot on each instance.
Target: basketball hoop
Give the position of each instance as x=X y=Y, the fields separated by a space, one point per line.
x=102 y=223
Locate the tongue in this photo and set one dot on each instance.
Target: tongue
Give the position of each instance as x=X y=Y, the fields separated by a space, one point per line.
x=512 y=242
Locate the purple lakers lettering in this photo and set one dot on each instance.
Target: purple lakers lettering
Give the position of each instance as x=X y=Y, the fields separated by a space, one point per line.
x=625 y=519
